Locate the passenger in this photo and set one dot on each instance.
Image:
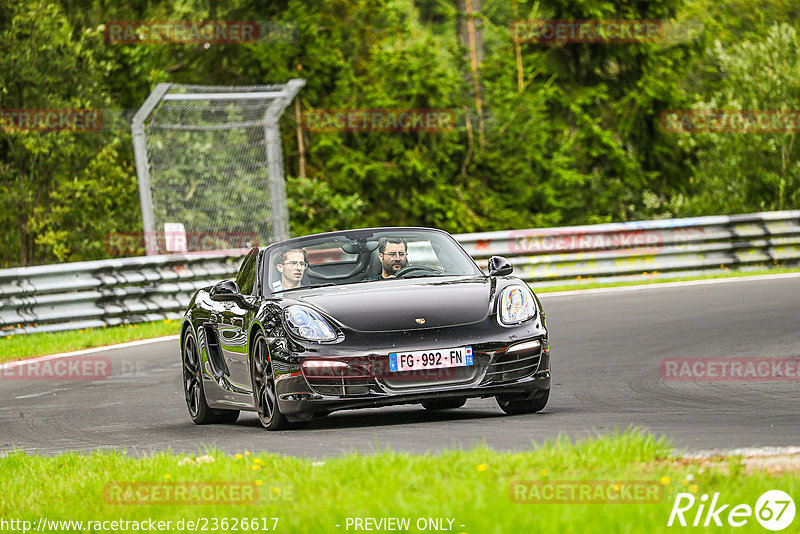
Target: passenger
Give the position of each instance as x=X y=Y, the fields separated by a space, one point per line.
x=292 y=266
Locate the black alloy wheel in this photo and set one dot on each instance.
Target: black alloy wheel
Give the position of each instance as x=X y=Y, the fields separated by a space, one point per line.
x=264 y=392
x=199 y=411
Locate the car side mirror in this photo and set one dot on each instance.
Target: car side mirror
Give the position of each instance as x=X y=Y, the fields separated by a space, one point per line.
x=228 y=291
x=500 y=266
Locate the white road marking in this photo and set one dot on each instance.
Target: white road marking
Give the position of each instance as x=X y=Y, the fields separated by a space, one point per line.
x=18 y=363
x=666 y=285
x=42 y=393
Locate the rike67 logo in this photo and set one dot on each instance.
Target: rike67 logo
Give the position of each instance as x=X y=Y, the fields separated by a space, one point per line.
x=774 y=510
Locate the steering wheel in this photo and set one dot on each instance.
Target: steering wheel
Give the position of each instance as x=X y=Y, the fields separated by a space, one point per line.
x=411 y=268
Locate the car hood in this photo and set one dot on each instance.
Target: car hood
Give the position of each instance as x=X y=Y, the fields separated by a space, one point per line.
x=401 y=304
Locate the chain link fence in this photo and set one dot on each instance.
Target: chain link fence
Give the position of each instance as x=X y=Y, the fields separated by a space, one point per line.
x=210 y=166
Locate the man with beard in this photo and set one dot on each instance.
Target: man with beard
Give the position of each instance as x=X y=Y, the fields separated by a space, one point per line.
x=392 y=253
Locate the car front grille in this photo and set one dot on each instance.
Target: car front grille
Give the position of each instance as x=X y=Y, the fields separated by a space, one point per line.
x=507 y=367
x=429 y=378
x=344 y=386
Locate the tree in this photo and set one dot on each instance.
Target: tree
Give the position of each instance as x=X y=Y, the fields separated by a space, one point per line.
x=45 y=65
x=740 y=171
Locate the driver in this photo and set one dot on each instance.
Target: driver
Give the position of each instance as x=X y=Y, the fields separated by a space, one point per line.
x=292 y=266
x=392 y=251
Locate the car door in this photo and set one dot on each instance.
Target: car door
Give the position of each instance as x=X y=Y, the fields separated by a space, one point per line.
x=232 y=322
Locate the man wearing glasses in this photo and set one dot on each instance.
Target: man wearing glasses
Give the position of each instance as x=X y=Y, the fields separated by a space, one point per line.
x=292 y=266
x=392 y=253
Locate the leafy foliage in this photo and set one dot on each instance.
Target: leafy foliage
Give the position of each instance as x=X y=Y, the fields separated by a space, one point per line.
x=569 y=133
x=746 y=171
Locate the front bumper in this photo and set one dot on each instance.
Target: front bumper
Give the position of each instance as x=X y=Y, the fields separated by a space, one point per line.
x=367 y=381
x=304 y=406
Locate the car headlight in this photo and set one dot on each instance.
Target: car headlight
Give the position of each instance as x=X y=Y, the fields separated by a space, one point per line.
x=308 y=324
x=516 y=305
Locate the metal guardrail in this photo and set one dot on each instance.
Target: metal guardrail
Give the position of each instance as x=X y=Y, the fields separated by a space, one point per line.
x=643 y=249
x=109 y=292
x=93 y=294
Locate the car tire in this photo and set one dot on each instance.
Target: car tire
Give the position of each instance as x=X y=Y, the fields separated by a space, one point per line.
x=444 y=404
x=193 y=390
x=517 y=406
x=265 y=396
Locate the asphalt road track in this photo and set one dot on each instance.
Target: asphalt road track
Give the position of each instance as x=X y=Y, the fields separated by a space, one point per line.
x=606 y=349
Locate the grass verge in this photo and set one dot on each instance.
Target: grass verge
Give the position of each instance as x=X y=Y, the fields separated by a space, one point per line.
x=30 y=345
x=475 y=488
x=725 y=274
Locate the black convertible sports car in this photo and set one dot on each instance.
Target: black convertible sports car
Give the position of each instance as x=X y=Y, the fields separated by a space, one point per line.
x=362 y=318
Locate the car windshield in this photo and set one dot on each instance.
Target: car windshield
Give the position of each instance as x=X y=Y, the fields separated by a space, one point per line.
x=365 y=256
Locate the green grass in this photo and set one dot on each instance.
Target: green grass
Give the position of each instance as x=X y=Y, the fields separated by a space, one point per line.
x=27 y=346
x=314 y=496
x=724 y=274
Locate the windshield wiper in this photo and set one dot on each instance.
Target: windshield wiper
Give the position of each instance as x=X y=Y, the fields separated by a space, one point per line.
x=311 y=286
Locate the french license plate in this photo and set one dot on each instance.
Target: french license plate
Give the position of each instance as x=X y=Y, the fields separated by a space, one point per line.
x=430 y=359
